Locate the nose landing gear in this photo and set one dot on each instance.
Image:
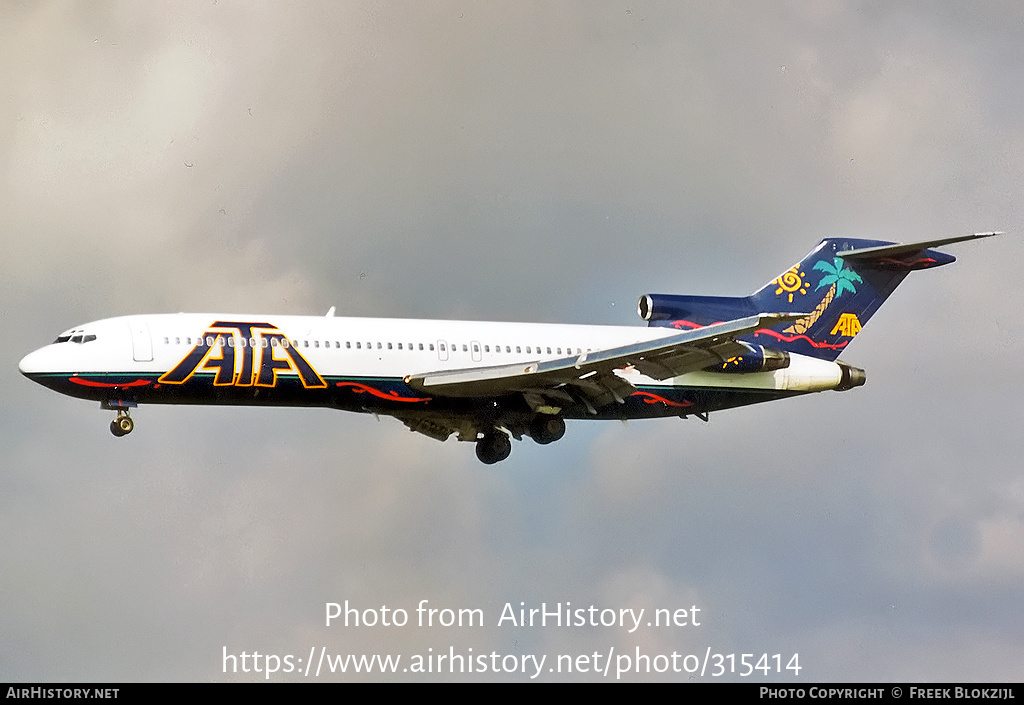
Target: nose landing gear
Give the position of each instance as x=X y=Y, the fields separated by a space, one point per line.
x=122 y=425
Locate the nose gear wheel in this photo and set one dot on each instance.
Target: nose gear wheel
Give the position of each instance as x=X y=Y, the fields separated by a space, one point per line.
x=122 y=425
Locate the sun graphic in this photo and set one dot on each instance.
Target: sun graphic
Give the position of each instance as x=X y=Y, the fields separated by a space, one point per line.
x=734 y=360
x=791 y=282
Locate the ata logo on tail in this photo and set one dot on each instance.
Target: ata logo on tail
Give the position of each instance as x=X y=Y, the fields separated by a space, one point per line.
x=848 y=325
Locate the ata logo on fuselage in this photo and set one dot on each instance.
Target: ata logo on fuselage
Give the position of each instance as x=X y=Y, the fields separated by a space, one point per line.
x=244 y=354
x=848 y=325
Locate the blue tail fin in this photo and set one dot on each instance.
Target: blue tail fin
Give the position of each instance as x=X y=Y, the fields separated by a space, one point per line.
x=840 y=284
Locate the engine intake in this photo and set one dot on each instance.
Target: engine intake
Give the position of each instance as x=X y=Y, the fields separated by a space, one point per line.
x=691 y=311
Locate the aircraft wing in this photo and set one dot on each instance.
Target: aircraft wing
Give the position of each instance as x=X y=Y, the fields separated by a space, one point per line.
x=591 y=377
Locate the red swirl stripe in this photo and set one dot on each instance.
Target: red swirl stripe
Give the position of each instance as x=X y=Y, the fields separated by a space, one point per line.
x=90 y=383
x=390 y=396
x=654 y=399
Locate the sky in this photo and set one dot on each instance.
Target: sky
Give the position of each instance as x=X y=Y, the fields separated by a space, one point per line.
x=525 y=161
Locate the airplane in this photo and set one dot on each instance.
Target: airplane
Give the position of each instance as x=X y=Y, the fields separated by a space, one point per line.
x=488 y=382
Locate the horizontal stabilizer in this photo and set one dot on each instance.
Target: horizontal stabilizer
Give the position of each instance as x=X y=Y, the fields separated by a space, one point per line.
x=898 y=250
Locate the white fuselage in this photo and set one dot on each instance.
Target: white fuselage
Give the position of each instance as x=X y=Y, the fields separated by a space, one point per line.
x=339 y=347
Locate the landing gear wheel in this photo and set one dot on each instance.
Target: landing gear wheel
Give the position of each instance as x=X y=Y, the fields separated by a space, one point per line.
x=122 y=425
x=547 y=429
x=493 y=448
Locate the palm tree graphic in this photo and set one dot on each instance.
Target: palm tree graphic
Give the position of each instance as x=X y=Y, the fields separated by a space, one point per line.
x=840 y=279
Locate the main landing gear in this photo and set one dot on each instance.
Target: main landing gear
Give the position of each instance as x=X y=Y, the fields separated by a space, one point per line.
x=547 y=429
x=493 y=447
x=123 y=424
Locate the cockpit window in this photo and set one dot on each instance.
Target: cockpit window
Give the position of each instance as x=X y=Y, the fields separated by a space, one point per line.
x=75 y=336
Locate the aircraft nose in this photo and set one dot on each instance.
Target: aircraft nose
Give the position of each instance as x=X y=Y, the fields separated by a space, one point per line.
x=31 y=363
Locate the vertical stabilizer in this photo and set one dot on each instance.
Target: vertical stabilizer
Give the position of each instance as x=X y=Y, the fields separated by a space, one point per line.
x=840 y=284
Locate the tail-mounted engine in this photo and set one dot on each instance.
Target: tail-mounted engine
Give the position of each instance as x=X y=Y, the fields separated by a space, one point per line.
x=684 y=312
x=688 y=312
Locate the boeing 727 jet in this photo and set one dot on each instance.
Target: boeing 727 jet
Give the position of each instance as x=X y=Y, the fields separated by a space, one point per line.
x=490 y=382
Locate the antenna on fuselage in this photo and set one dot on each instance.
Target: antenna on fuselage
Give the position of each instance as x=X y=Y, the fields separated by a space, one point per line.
x=330 y=312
